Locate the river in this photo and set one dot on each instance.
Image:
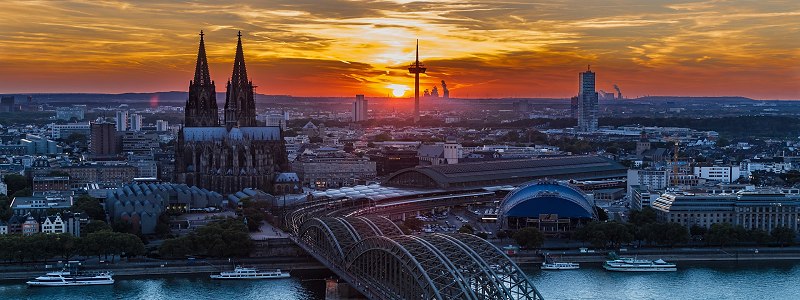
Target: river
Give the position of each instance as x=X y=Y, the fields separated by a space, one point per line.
x=750 y=280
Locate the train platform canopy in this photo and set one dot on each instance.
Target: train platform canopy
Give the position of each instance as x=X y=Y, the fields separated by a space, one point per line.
x=507 y=172
x=373 y=192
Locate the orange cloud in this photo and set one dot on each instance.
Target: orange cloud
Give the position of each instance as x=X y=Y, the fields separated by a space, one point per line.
x=341 y=48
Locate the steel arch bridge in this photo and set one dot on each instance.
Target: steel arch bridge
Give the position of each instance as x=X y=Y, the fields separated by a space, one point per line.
x=376 y=258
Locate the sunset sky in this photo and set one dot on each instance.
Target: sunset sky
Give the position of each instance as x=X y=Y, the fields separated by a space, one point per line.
x=481 y=48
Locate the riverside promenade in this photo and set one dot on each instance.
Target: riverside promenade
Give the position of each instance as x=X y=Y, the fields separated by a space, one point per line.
x=527 y=258
x=164 y=267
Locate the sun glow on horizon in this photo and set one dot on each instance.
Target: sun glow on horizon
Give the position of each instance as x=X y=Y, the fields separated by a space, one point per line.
x=398 y=90
x=334 y=48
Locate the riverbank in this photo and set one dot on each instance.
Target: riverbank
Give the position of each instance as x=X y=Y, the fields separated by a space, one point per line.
x=307 y=263
x=166 y=267
x=527 y=258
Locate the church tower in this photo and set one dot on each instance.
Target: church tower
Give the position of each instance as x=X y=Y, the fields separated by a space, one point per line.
x=232 y=156
x=240 y=105
x=201 y=108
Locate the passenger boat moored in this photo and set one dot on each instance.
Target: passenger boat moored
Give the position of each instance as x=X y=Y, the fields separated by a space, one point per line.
x=68 y=278
x=628 y=264
x=250 y=273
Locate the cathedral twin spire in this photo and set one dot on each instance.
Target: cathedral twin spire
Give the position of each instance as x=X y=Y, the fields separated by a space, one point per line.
x=201 y=108
x=240 y=105
x=201 y=74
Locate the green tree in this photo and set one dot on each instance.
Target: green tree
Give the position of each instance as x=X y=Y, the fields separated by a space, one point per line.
x=605 y=234
x=593 y=234
x=759 y=236
x=466 y=228
x=529 y=237
x=128 y=245
x=76 y=137
x=15 y=183
x=617 y=233
x=105 y=243
x=674 y=233
x=383 y=137
x=224 y=238
x=90 y=206
x=644 y=216
x=122 y=226
x=722 y=234
x=178 y=247
x=255 y=212
x=647 y=233
x=95 y=226
x=68 y=245
x=5 y=208
x=784 y=236
x=26 y=192
x=697 y=230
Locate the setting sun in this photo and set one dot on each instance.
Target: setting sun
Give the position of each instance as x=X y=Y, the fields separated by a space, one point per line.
x=398 y=90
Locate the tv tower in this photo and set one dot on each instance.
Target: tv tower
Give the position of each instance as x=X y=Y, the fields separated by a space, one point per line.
x=416 y=68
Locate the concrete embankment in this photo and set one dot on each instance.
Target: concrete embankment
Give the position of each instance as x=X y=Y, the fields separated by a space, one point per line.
x=673 y=255
x=174 y=267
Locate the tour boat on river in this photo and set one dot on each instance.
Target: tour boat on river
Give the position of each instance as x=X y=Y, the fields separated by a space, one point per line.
x=560 y=266
x=68 y=278
x=628 y=264
x=551 y=264
x=250 y=273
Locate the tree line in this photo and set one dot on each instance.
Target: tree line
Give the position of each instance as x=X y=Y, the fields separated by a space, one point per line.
x=42 y=247
x=644 y=228
x=223 y=238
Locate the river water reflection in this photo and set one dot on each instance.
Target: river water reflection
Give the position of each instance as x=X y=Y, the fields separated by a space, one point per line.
x=773 y=280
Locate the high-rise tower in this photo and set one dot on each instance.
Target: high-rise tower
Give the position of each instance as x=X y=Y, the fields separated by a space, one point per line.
x=360 y=109
x=587 y=102
x=201 y=108
x=416 y=68
x=240 y=105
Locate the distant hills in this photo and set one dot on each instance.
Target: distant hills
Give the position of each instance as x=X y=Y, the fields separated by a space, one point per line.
x=176 y=98
x=685 y=98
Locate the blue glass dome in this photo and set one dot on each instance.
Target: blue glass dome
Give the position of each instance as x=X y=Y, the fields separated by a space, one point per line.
x=547 y=197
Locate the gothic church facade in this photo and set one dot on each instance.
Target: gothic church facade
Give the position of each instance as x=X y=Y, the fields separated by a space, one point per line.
x=235 y=153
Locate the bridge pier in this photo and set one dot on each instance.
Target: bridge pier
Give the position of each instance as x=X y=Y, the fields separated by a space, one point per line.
x=336 y=290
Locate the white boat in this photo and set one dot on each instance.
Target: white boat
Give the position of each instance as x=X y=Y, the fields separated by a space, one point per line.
x=551 y=264
x=67 y=278
x=250 y=273
x=628 y=264
x=560 y=266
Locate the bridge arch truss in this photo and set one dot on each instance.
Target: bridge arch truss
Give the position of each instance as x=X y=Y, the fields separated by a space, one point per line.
x=382 y=263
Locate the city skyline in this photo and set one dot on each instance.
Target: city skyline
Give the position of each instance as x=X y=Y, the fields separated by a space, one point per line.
x=333 y=48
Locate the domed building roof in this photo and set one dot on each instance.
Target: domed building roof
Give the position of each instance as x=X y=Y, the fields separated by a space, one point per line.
x=547 y=197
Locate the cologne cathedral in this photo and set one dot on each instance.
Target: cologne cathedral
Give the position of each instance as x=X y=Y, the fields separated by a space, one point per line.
x=234 y=153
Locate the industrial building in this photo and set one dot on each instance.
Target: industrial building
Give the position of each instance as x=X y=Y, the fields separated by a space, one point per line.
x=507 y=172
